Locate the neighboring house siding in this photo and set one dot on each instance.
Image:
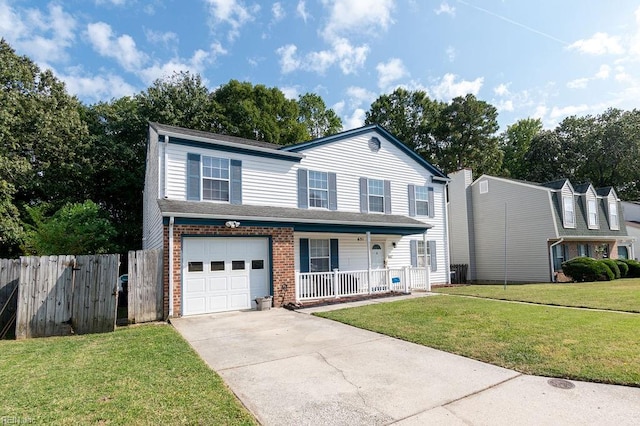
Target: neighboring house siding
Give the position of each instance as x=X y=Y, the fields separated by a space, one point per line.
x=152 y=218
x=528 y=229
x=460 y=216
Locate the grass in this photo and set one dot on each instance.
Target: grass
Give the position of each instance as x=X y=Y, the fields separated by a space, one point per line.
x=619 y=295
x=137 y=375
x=541 y=340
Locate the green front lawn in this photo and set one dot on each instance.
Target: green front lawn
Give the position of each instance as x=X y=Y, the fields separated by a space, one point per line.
x=619 y=295
x=138 y=375
x=541 y=340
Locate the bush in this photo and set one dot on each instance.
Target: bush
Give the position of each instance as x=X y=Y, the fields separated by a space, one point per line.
x=613 y=266
x=624 y=268
x=634 y=268
x=583 y=269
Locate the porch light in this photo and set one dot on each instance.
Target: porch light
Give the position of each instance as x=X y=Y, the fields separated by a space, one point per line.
x=232 y=224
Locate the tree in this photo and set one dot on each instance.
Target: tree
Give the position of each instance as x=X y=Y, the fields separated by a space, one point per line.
x=257 y=112
x=465 y=137
x=318 y=120
x=543 y=160
x=78 y=228
x=514 y=143
x=410 y=116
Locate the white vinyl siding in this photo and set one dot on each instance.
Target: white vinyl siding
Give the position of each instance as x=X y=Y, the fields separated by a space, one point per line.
x=152 y=217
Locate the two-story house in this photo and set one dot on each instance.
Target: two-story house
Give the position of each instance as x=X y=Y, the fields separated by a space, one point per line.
x=524 y=231
x=345 y=215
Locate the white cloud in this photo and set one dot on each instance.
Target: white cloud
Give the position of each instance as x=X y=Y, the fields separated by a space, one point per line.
x=193 y=65
x=448 y=88
x=502 y=89
x=445 y=8
x=278 y=12
x=598 y=44
x=290 y=92
x=166 y=37
x=561 y=112
x=301 y=10
x=504 y=105
x=540 y=111
x=288 y=61
x=360 y=95
x=578 y=83
x=357 y=17
x=231 y=12
x=348 y=57
x=390 y=72
x=451 y=53
x=123 y=49
x=114 y=2
x=96 y=88
x=604 y=72
x=355 y=120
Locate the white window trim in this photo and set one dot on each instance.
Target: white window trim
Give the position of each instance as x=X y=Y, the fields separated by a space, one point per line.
x=593 y=211
x=328 y=257
x=614 y=226
x=565 y=223
x=415 y=199
x=309 y=188
x=426 y=254
x=369 y=195
x=484 y=186
x=203 y=178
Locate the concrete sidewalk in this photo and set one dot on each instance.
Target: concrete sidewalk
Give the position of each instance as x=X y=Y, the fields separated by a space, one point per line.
x=289 y=368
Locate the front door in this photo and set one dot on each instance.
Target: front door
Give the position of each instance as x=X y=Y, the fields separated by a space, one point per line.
x=378 y=275
x=377 y=256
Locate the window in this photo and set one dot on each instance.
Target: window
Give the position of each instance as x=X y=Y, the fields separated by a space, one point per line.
x=569 y=211
x=257 y=264
x=376 y=195
x=423 y=258
x=583 y=250
x=623 y=252
x=319 y=259
x=195 y=266
x=237 y=265
x=318 y=189
x=592 y=211
x=422 y=201
x=215 y=178
x=613 y=216
x=217 y=265
x=559 y=256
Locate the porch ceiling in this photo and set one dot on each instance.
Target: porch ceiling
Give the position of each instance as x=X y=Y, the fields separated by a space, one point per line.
x=300 y=219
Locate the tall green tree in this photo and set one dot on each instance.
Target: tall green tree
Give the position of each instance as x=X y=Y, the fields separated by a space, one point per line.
x=544 y=159
x=318 y=120
x=515 y=143
x=258 y=112
x=410 y=116
x=466 y=136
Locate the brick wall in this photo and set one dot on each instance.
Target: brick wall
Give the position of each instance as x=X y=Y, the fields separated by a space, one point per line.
x=282 y=261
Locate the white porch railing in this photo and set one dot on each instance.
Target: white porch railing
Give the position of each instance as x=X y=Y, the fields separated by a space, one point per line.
x=327 y=285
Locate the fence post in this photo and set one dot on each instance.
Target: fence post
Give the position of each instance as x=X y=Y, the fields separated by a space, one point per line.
x=297 y=284
x=336 y=284
x=405 y=278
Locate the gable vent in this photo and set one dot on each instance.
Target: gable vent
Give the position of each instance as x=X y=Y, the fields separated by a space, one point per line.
x=484 y=186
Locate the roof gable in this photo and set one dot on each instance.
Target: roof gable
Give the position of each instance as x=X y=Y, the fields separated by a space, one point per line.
x=366 y=129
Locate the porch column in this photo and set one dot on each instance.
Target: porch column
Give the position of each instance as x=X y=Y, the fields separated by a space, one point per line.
x=427 y=267
x=369 y=261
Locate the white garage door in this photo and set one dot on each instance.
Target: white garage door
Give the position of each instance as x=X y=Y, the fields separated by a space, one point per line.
x=223 y=274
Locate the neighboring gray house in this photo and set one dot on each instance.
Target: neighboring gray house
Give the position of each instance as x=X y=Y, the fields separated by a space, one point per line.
x=526 y=230
x=631 y=212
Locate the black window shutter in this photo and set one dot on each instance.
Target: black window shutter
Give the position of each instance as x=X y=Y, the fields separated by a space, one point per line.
x=235 y=191
x=333 y=193
x=432 y=210
x=303 y=196
x=432 y=255
x=412 y=200
x=364 y=198
x=333 y=250
x=413 y=246
x=387 y=197
x=193 y=177
x=304 y=255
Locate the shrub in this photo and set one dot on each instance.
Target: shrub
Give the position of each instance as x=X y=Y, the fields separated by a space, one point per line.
x=613 y=266
x=582 y=269
x=634 y=268
x=624 y=268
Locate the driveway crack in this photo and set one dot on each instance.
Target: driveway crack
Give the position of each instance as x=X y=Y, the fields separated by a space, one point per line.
x=344 y=376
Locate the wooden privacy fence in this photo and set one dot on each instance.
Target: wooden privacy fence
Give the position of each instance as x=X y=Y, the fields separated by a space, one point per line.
x=145 y=299
x=9 y=276
x=59 y=295
x=459 y=273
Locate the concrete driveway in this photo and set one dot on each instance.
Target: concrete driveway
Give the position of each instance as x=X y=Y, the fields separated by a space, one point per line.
x=290 y=368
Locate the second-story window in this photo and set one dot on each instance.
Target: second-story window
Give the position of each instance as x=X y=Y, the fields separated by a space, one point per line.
x=376 y=195
x=422 y=201
x=318 y=189
x=592 y=211
x=569 y=216
x=613 y=216
x=215 y=178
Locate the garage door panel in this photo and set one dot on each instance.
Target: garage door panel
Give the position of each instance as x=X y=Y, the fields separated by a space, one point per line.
x=219 y=303
x=196 y=305
x=195 y=286
x=239 y=283
x=218 y=284
x=239 y=301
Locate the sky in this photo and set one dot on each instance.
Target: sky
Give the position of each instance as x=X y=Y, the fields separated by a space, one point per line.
x=545 y=59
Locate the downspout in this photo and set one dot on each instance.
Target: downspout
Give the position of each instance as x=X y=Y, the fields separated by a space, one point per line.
x=427 y=267
x=446 y=229
x=369 y=260
x=171 y=221
x=553 y=270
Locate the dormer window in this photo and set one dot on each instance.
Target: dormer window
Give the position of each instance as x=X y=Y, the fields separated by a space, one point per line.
x=569 y=211
x=592 y=212
x=613 y=216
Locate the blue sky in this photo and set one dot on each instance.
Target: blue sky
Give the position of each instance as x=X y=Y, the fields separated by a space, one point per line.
x=546 y=59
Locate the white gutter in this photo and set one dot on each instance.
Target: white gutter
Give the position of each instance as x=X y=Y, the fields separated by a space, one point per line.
x=446 y=230
x=171 y=221
x=560 y=241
